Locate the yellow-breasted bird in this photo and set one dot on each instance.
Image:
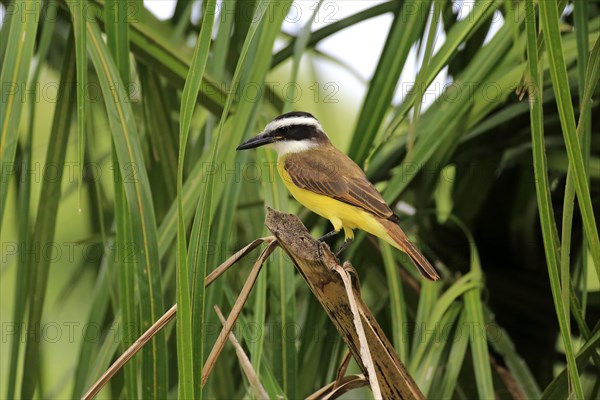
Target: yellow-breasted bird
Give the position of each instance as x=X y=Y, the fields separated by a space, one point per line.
x=329 y=183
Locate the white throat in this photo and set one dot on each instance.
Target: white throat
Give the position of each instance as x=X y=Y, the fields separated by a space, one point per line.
x=292 y=146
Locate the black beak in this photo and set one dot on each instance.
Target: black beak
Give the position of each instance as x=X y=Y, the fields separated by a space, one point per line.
x=256 y=141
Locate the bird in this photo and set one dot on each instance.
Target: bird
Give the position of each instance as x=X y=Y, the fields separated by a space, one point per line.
x=331 y=184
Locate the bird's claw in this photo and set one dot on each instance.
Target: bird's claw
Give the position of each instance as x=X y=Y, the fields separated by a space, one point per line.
x=344 y=246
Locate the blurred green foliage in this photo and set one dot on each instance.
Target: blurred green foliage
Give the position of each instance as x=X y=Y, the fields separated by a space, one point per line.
x=121 y=190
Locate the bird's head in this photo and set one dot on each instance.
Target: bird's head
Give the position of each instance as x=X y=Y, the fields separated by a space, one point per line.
x=289 y=133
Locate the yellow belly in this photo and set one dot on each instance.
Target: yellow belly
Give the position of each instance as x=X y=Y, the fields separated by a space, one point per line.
x=342 y=215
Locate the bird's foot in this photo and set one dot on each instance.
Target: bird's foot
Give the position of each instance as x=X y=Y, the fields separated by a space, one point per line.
x=328 y=235
x=344 y=246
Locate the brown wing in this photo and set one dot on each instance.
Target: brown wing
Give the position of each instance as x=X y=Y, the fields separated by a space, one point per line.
x=328 y=171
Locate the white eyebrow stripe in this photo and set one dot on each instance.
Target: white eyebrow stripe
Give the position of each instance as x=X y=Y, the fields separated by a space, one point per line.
x=274 y=125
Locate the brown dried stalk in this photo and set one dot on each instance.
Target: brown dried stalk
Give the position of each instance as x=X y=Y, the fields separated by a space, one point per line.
x=235 y=312
x=336 y=389
x=245 y=362
x=317 y=265
x=166 y=318
x=365 y=352
x=332 y=286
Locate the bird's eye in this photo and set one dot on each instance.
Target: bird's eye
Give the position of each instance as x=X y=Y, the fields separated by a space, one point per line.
x=283 y=129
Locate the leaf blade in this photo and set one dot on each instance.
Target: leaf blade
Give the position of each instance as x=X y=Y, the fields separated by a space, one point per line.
x=140 y=208
x=15 y=70
x=185 y=343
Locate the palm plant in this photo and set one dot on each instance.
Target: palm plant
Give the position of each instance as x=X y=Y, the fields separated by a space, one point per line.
x=121 y=191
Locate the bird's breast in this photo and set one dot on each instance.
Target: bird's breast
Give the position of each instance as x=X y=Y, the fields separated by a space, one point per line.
x=339 y=213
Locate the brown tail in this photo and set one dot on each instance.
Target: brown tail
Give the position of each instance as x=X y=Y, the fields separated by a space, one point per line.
x=401 y=241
